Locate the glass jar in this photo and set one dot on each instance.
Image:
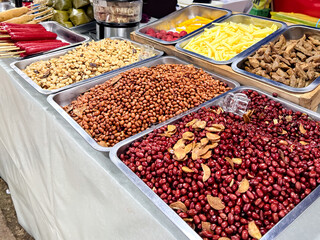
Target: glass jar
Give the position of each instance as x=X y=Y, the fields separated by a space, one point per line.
x=117 y=12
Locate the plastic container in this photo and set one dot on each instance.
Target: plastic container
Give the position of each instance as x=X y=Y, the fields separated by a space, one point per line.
x=117 y=12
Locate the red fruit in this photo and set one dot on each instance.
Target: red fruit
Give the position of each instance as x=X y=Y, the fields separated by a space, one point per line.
x=169 y=38
x=163 y=32
x=174 y=39
x=176 y=35
x=152 y=34
x=157 y=35
x=170 y=33
x=150 y=31
x=183 y=33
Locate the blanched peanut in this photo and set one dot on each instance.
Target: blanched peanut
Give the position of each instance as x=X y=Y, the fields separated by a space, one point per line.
x=88 y=60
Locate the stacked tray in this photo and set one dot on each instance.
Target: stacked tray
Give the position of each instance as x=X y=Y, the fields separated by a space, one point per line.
x=18 y=66
x=122 y=147
x=172 y=20
x=236 y=18
x=66 y=97
x=291 y=33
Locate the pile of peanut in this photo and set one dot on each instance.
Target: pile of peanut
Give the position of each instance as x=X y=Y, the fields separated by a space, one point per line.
x=134 y=100
x=83 y=62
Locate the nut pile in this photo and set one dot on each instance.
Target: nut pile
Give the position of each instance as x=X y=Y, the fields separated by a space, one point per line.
x=231 y=177
x=83 y=62
x=134 y=100
x=295 y=63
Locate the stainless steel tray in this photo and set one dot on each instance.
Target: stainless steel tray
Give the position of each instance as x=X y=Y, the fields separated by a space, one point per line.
x=236 y=18
x=171 y=21
x=84 y=28
x=64 y=34
x=66 y=97
x=173 y=217
x=4 y=6
x=18 y=66
x=292 y=32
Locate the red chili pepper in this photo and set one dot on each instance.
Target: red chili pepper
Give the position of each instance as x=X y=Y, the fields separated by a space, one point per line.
x=19 y=36
x=37 y=49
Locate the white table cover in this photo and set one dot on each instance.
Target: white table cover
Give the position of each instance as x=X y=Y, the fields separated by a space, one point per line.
x=63 y=189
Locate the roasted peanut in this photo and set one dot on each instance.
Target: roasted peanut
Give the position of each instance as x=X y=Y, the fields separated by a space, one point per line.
x=132 y=101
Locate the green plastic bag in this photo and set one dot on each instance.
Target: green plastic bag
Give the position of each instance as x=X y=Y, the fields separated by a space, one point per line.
x=49 y=3
x=78 y=17
x=261 y=8
x=62 y=5
x=80 y=3
x=261 y=4
x=89 y=12
x=60 y=16
x=67 y=24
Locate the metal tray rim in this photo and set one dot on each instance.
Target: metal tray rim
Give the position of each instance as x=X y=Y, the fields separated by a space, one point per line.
x=64 y=51
x=86 y=38
x=275 y=33
x=237 y=69
x=89 y=139
x=273 y=232
x=228 y=13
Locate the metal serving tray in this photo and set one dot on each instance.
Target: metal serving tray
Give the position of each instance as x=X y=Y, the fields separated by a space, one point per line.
x=18 y=66
x=172 y=216
x=236 y=18
x=64 y=34
x=66 y=97
x=4 y=6
x=84 y=28
x=291 y=33
x=171 y=21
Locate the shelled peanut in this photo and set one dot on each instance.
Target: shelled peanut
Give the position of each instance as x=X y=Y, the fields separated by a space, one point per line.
x=134 y=100
x=231 y=177
x=83 y=62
